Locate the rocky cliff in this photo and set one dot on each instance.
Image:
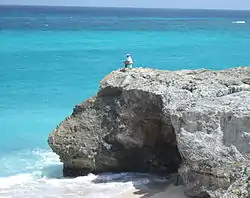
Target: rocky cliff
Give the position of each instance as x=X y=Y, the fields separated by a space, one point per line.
x=194 y=122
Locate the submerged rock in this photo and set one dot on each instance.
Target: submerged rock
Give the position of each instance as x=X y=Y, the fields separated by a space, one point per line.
x=196 y=122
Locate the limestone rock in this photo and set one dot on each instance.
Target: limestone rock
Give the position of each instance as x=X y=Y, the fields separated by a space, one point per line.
x=196 y=122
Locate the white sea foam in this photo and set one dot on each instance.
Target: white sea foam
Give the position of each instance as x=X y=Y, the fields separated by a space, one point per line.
x=44 y=181
x=91 y=186
x=239 y=22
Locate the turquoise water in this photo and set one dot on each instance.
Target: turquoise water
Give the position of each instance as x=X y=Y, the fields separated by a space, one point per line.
x=54 y=58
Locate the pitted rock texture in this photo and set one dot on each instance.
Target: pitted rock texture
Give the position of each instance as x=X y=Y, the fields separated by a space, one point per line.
x=196 y=122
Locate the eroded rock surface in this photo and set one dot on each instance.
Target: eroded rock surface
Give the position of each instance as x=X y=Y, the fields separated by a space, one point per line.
x=144 y=120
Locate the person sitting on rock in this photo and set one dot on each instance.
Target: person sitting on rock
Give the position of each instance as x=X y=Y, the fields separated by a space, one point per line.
x=128 y=62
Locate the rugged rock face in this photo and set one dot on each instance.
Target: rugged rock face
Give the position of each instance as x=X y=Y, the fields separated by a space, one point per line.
x=194 y=122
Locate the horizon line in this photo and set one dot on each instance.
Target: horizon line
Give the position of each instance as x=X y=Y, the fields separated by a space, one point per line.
x=120 y=7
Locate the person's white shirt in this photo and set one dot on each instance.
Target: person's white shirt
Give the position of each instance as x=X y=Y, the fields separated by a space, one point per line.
x=129 y=59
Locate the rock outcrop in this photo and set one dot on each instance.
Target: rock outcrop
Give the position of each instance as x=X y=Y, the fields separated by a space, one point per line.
x=196 y=122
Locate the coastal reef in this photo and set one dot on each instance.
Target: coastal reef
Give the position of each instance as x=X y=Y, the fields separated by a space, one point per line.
x=194 y=123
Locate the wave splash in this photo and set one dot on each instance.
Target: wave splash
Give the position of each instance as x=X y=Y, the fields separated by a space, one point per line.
x=44 y=179
x=239 y=22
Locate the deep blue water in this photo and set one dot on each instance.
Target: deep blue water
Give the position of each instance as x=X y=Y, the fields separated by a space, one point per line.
x=52 y=58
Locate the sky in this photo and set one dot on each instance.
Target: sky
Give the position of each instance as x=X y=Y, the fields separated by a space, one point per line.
x=204 y=4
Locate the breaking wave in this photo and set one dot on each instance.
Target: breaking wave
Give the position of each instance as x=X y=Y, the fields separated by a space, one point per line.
x=43 y=178
x=239 y=22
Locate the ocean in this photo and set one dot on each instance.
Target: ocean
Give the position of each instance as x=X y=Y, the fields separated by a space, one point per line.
x=52 y=58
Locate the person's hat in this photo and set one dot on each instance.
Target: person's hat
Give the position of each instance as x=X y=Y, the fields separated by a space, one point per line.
x=127 y=54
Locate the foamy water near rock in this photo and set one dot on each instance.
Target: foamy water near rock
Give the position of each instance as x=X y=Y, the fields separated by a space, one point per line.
x=196 y=123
